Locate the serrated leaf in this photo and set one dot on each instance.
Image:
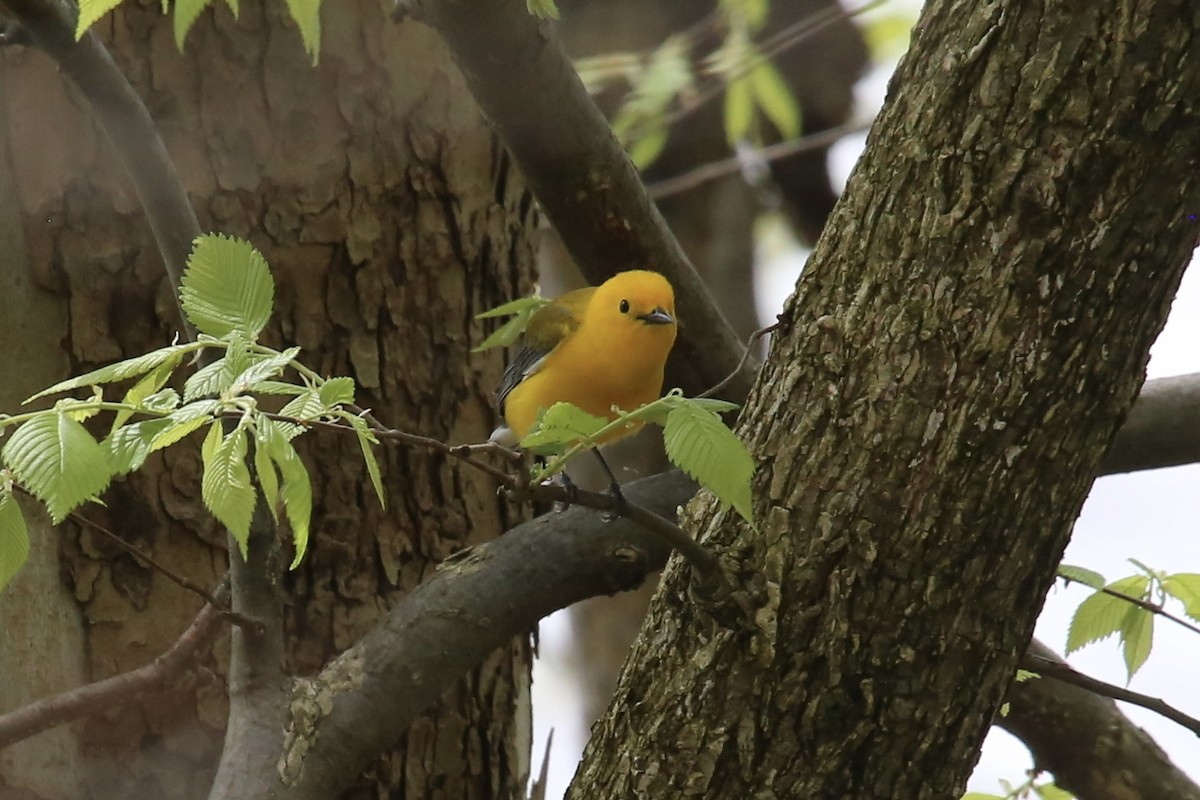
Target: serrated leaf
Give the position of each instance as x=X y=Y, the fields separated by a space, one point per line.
x=713 y=404
x=175 y=432
x=1025 y=675
x=186 y=13
x=264 y=468
x=218 y=377
x=1137 y=637
x=227 y=287
x=14 y=538
x=1101 y=615
x=57 y=460
x=226 y=488
x=304 y=406
x=700 y=444
x=297 y=491
x=337 y=391
x=1081 y=575
x=366 y=438
x=982 y=796
x=279 y=387
x=559 y=427
x=128 y=447
x=260 y=369
x=1185 y=587
x=89 y=12
x=739 y=109
x=129 y=368
x=307 y=16
x=542 y=9
x=776 y=99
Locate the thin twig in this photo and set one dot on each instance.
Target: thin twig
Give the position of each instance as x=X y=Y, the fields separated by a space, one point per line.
x=1061 y=672
x=718 y=169
x=749 y=353
x=84 y=701
x=1153 y=608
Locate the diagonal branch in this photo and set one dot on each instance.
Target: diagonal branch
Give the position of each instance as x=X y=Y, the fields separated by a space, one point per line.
x=123 y=116
x=577 y=170
x=119 y=689
x=1094 y=750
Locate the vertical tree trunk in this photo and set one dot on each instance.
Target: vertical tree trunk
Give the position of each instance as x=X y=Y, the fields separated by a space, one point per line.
x=390 y=218
x=965 y=341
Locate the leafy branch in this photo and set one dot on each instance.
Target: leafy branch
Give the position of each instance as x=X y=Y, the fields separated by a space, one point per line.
x=1127 y=607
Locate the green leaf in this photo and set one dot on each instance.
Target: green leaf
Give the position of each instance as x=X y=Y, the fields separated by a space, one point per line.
x=739 y=109
x=1102 y=615
x=523 y=308
x=982 y=796
x=700 y=444
x=217 y=378
x=264 y=468
x=337 y=391
x=128 y=447
x=542 y=9
x=14 y=538
x=1137 y=637
x=176 y=432
x=234 y=7
x=1082 y=575
x=522 y=305
x=57 y=460
x=186 y=13
x=559 y=427
x=649 y=145
x=714 y=405
x=89 y=12
x=367 y=438
x=226 y=488
x=304 y=406
x=1025 y=675
x=776 y=100
x=227 y=287
x=307 y=16
x=297 y=488
x=149 y=385
x=1048 y=791
x=1185 y=587
x=278 y=387
x=261 y=369
x=129 y=368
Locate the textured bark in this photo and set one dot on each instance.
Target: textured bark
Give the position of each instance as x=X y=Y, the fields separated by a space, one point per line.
x=390 y=218
x=963 y=345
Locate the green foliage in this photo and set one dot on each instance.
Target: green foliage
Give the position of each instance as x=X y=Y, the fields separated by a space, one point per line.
x=14 y=537
x=642 y=124
x=227 y=293
x=305 y=13
x=696 y=439
x=1081 y=575
x=542 y=9
x=1024 y=791
x=522 y=310
x=1127 y=607
x=227 y=288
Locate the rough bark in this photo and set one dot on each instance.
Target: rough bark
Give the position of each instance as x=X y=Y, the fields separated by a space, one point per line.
x=963 y=345
x=390 y=218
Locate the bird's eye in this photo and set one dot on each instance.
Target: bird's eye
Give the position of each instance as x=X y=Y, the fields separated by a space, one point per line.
x=624 y=306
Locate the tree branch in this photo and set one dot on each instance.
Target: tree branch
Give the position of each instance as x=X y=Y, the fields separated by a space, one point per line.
x=124 y=118
x=1093 y=749
x=478 y=600
x=1162 y=429
x=585 y=184
x=1052 y=668
x=119 y=689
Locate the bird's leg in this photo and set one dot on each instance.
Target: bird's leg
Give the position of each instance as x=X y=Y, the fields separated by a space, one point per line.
x=614 y=489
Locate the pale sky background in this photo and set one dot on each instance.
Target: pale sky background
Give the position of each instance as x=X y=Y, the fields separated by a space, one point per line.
x=1152 y=516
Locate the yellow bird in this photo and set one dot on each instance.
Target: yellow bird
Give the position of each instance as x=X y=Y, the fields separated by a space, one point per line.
x=596 y=348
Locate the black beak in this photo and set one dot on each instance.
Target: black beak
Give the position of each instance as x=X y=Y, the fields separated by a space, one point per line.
x=657 y=317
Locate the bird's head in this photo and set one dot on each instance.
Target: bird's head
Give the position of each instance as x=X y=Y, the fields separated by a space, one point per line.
x=637 y=300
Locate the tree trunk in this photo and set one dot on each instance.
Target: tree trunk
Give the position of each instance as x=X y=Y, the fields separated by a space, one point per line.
x=390 y=218
x=965 y=341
